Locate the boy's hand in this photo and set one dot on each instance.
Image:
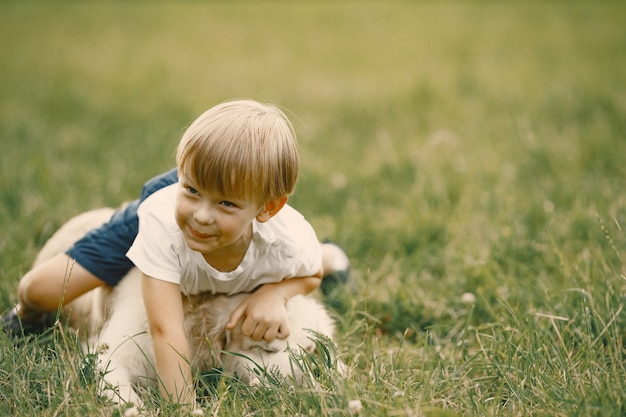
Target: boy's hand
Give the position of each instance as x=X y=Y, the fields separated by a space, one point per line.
x=264 y=315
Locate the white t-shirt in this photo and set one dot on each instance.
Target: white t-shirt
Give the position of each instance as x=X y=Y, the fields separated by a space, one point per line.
x=283 y=247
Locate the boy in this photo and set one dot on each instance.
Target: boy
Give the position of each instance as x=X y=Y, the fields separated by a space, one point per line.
x=223 y=227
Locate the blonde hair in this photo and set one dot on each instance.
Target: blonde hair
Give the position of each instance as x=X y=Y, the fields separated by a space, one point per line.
x=244 y=149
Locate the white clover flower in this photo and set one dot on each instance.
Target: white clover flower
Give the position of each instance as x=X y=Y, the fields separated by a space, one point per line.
x=131 y=412
x=468 y=298
x=355 y=406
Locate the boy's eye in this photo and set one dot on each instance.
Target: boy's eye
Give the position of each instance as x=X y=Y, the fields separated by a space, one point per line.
x=228 y=204
x=192 y=190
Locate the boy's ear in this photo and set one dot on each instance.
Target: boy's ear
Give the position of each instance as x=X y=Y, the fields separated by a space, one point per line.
x=270 y=209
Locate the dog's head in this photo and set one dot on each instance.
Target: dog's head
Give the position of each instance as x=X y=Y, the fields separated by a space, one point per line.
x=246 y=358
x=240 y=355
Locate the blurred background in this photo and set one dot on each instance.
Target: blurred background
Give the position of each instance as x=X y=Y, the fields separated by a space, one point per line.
x=450 y=147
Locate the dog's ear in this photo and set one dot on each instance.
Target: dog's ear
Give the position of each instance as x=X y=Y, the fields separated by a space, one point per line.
x=225 y=339
x=218 y=338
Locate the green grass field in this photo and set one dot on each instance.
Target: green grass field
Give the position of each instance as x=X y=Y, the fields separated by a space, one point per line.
x=450 y=147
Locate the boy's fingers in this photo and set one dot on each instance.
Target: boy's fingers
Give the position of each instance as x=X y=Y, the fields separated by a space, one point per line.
x=235 y=316
x=248 y=327
x=283 y=331
x=259 y=332
x=271 y=334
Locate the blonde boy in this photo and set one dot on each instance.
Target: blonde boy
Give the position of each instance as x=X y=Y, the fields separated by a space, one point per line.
x=225 y=228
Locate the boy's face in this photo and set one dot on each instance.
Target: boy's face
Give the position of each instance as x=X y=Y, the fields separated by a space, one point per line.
x=218 y=227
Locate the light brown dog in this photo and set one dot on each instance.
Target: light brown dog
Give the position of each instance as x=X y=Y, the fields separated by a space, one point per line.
x=115 y=327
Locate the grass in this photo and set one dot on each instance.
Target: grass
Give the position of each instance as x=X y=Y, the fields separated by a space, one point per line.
x=449 y=147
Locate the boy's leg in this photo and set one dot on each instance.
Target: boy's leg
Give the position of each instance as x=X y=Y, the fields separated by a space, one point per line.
x=42 y=290
x=52 y=284
x=96 y=259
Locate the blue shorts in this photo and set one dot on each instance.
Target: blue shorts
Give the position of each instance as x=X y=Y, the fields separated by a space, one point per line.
x=102 y=251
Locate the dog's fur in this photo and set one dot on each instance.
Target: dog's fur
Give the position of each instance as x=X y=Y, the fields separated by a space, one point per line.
x=115 y=327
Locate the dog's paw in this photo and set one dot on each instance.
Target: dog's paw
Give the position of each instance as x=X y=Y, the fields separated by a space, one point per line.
x=336 y=267
x=132 y=412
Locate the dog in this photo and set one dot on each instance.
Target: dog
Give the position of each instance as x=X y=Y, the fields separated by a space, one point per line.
x=113 y=325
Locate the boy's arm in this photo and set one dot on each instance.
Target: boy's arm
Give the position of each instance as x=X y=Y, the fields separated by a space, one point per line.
x=164 y=308
x=263 y=312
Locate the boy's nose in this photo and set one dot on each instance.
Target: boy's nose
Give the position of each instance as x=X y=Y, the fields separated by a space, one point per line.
x=204 y=215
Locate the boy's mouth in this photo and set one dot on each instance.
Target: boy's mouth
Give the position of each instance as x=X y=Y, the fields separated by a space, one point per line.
x=197 y=234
